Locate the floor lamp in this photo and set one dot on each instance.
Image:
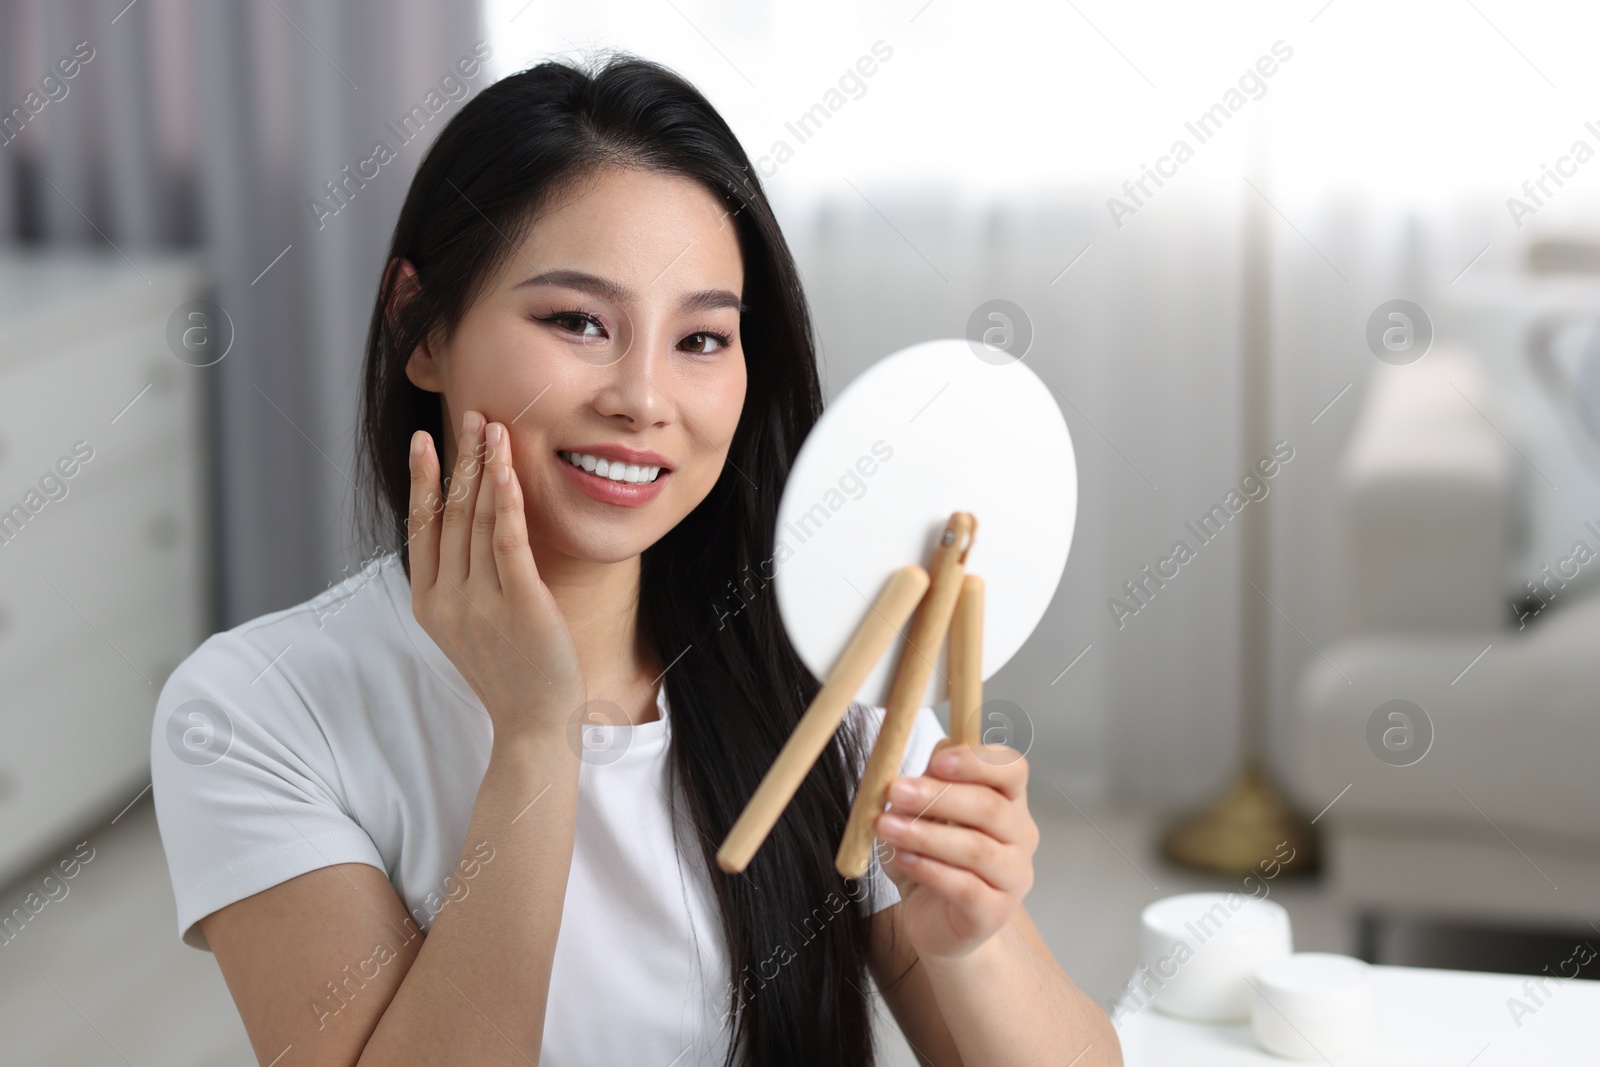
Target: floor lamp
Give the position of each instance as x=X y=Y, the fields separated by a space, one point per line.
x=1244 y=827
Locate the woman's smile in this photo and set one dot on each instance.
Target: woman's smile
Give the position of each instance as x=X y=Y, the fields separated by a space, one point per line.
x=621 y=484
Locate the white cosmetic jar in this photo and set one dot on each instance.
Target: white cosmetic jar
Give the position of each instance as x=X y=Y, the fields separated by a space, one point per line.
x=1314 y=1006
x=1197 y=949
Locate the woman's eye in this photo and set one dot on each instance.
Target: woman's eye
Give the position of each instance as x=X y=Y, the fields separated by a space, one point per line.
x=705 y=342
x=578 y=322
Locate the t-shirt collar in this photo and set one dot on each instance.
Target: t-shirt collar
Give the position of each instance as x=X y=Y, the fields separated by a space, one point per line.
x=399 y=588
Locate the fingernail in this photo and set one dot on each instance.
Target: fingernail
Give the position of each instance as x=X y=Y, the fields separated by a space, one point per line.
x=902 y=791
x=946 y=762
x=416 y=442
x=890 y=823
x=494 y=433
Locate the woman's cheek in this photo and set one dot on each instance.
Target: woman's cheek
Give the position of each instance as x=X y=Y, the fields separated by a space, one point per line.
x=725 y=402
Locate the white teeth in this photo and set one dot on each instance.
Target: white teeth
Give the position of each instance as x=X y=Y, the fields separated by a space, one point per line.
x=616 y=471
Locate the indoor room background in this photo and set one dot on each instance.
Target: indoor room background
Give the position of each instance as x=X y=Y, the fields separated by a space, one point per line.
x=1355 y=244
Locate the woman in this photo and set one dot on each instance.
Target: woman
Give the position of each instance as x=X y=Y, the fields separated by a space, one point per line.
x=384 y=809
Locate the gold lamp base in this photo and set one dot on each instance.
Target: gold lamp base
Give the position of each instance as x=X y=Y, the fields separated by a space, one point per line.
x=1247 y=827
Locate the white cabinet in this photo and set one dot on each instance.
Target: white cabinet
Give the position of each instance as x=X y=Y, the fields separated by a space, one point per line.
x=104 y=536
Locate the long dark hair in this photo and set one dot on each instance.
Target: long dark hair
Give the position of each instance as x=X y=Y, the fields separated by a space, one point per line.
x=738 y=688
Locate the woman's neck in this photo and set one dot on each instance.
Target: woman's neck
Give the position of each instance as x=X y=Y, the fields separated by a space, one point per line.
x=600 y=602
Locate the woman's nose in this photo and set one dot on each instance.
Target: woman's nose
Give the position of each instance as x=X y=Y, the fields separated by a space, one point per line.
x=633 y=387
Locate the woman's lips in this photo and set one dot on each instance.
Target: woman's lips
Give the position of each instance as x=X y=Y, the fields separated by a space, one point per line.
x=606 y=491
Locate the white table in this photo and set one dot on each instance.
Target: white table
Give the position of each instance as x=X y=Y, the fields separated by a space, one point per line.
x=1426 y=1018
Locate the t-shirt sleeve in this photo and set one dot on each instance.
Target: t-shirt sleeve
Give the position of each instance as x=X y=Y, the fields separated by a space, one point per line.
x=246 y=791
x=926 y=732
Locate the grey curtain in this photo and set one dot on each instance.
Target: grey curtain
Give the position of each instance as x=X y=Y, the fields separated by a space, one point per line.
x=219 y=125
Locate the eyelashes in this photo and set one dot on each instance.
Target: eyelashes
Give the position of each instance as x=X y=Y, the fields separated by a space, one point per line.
x=562 y=320
x=723 y=340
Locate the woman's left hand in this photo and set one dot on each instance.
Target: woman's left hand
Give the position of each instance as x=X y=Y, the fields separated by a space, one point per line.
x=961 y=846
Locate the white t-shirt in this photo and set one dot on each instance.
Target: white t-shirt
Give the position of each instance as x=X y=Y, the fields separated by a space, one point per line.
x=337 y=731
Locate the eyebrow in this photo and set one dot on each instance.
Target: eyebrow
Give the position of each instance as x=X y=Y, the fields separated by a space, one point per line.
x=700 y=300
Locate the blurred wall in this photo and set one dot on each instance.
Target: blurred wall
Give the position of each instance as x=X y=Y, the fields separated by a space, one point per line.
x=221 y=124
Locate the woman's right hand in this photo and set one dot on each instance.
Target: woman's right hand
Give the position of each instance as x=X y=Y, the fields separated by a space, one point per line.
x=476 y=590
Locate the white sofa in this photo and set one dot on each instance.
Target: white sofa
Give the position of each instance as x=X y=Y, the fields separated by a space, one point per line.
x=1500 y=820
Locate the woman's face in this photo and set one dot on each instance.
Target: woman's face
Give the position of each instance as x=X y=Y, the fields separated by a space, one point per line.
x=614 y=325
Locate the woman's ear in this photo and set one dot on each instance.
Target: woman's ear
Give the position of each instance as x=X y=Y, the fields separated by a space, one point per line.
x=422 y=368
